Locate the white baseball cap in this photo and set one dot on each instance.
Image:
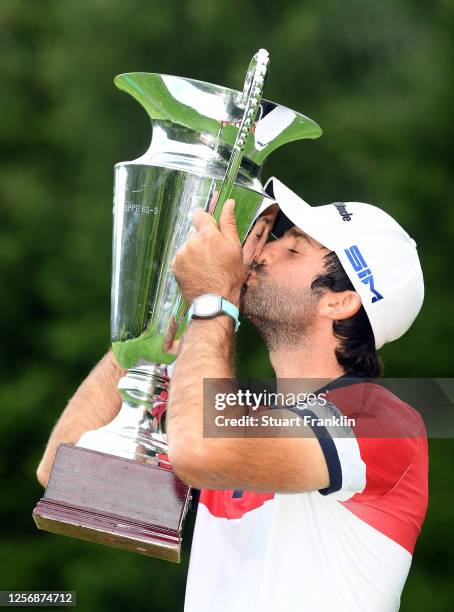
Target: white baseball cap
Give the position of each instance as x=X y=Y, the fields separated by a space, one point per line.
x=377 y=254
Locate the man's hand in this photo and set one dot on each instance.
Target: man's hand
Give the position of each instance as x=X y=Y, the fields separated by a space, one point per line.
x=211 y=260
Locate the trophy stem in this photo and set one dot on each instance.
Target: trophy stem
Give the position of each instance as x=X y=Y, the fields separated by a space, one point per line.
x=137 y=431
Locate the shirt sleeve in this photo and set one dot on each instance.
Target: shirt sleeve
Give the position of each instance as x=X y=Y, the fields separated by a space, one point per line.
x=346 y=468
x=368 y=437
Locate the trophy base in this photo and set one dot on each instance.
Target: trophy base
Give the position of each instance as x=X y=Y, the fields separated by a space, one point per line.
x=114 y=501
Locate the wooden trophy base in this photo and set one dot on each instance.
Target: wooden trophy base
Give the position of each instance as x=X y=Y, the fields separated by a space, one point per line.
x=119 y=502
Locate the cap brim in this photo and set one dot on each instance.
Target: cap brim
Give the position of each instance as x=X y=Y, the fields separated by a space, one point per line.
x=272 y=186
x=296 y=211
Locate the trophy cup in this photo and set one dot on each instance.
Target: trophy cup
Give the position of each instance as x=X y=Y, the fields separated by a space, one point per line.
x=116 y=485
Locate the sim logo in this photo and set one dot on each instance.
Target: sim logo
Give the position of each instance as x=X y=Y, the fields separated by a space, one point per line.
x=362 y=269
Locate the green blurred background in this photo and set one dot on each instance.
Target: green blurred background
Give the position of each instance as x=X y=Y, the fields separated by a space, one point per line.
x=378 y=78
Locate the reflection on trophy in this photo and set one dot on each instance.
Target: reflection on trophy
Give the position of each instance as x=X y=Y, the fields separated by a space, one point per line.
x=116 y=485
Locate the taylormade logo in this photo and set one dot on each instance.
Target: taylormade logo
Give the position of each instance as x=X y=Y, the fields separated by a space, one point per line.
x=362 y=269
x=342 y=210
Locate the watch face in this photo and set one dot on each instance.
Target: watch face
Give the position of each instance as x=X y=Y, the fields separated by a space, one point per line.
x=207 y=305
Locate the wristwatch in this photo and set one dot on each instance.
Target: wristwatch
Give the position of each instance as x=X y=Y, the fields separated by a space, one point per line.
x=211 y=305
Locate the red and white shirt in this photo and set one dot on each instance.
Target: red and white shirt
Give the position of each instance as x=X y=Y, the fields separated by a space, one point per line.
x=348 y=547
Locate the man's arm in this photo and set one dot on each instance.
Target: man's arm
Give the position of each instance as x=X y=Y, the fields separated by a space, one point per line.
x=258 y=464
x=95 y=403
x=211 y=262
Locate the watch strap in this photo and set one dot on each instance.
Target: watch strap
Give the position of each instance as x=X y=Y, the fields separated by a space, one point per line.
x=231 y=310
x=226 y=308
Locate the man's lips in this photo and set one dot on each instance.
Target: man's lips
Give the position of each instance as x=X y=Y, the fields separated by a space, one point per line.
x=252 y=274
x=251 y=277
x=256 y=275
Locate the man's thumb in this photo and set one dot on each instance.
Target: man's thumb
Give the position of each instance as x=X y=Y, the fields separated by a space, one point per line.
x=227 y=222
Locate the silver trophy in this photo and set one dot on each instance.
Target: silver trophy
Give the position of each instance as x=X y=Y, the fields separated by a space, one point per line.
x=206 y=139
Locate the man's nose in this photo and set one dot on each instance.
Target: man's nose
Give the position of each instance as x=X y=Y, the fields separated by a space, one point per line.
x=268 y=253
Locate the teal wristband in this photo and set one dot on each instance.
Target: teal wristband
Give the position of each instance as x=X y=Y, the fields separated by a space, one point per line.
x=232 y=310
x=210 y=305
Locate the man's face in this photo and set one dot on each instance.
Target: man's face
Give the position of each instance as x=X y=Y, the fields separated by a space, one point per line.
x=277 y=296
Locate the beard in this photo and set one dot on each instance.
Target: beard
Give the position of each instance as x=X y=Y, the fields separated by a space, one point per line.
x=282 y=315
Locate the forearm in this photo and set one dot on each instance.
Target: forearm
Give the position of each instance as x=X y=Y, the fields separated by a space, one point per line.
x=207 y=352
x=237 y=460
x=95 y=403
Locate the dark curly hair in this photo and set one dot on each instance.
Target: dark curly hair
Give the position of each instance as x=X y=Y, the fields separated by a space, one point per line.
x=356 y=352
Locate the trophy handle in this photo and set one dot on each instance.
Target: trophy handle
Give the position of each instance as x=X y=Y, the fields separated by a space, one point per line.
x=251 y=98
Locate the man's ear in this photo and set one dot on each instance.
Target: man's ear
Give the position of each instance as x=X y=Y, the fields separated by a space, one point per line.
x=338 y=305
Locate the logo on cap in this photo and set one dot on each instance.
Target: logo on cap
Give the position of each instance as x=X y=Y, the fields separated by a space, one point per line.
x=342 y=210
x=362 y=269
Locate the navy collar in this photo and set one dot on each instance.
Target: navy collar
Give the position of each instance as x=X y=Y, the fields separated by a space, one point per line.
x=342 y=381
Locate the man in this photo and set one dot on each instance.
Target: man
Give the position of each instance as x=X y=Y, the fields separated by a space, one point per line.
x=315 y=522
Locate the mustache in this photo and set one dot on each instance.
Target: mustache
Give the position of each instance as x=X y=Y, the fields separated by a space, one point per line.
x=258 y=268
